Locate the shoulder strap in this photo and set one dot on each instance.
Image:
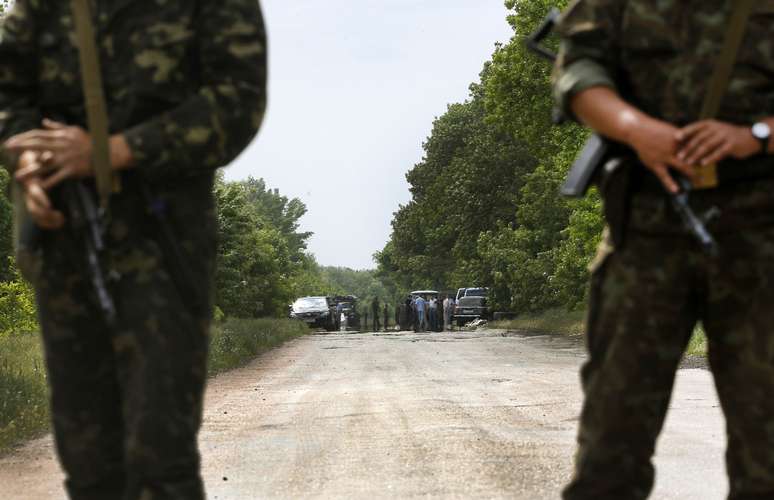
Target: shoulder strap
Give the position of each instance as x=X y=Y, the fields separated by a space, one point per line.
x=721 y=76
x=707 y=175
x=94 y=95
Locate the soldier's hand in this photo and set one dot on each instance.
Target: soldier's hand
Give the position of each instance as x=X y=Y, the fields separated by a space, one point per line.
x=66 y=152
x=656 y=143
x=36 y=199
x=710 y=141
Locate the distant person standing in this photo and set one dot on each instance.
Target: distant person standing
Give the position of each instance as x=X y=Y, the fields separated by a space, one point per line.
x=339 y=315
x=409 y=314
x=445 y=309
x=448 y=311
x=386 y=316
x=375 y=311
x=431 y=313
x=421 y=306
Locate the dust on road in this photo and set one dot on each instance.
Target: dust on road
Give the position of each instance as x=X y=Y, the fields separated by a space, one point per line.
x=455 y=415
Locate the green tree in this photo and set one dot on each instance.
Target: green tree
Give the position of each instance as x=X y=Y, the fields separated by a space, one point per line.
x=261 y=254
x=492 y=169
x=466 y=183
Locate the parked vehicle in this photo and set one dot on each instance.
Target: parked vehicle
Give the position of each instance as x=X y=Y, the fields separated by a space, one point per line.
x=472 y=292
x=317 y=312
x=469 y=308
x=347 y=305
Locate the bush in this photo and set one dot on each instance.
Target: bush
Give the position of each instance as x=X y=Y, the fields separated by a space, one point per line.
x=17 y=307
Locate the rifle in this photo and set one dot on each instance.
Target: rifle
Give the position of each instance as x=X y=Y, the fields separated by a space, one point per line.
x=85 y=218
x=597 y=160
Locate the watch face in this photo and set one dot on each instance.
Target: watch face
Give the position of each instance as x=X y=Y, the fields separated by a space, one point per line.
x=761 y=131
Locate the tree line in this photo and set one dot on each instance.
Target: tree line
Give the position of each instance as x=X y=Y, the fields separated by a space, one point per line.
x=485 y=209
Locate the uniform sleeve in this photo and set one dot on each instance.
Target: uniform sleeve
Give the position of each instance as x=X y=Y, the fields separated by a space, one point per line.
x=588 y=56
x=19 y=111
x=210 y=129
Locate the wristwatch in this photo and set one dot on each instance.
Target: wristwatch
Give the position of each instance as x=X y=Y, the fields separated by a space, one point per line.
x=762 y=132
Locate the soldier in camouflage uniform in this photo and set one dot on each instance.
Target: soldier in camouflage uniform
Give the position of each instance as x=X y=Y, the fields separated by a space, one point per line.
x=637 y=72
x=185 y=88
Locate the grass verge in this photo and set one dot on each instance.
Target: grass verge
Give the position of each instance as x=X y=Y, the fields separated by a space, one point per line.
x=24 y=410
x=23 y=390
x=698 y=344
x=573 y=323
x=237 y=341
x=551 y=321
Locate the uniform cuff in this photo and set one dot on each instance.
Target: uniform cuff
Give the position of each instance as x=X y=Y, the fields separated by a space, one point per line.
x=147 y=146
x=579 y=76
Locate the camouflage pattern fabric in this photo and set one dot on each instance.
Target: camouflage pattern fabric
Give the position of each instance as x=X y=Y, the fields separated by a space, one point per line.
x=185 y=81
x=660 y=55
x=645 y=300
x=647 y=296
x=127 y=401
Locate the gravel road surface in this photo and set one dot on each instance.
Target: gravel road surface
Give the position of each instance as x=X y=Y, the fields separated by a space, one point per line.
x=484 y=414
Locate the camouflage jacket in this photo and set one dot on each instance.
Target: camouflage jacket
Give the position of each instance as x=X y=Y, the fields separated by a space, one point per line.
x=660 y=56
x=185 y=80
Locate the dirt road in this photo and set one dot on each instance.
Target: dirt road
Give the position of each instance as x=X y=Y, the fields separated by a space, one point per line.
x=455 y=415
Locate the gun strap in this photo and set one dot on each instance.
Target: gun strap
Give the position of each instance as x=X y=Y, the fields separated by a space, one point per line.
x=707 y=176
x=94 y=96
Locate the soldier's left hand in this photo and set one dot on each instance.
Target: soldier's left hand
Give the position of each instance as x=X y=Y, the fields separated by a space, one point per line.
x=67 y=151
x=710 y=141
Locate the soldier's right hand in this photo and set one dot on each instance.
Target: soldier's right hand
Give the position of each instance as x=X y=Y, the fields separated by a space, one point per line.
x=656 y=144
x=36 y=200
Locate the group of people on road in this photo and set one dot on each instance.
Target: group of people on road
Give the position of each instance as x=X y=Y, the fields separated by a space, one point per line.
x=373 y=312
x=425 y=313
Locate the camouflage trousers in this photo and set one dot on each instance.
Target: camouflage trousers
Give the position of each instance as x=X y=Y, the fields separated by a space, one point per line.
x=126 y=401
x=646 y=298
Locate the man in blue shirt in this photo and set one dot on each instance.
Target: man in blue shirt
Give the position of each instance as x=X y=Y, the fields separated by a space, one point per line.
x=420 y=305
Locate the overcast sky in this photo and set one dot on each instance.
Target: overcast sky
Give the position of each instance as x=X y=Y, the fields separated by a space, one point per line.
x=354 y=86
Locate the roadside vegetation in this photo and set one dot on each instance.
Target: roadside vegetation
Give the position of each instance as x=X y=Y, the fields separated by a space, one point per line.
x=564 y=322
x=553 y=321
x=237 y=341
x=23 y=390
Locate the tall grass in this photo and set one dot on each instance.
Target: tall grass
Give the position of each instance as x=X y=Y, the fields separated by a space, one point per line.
x=24 y=412
x=698 y=344
x=237 y=341
x=551 y=321
x=23 y=391
x=573 y=323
